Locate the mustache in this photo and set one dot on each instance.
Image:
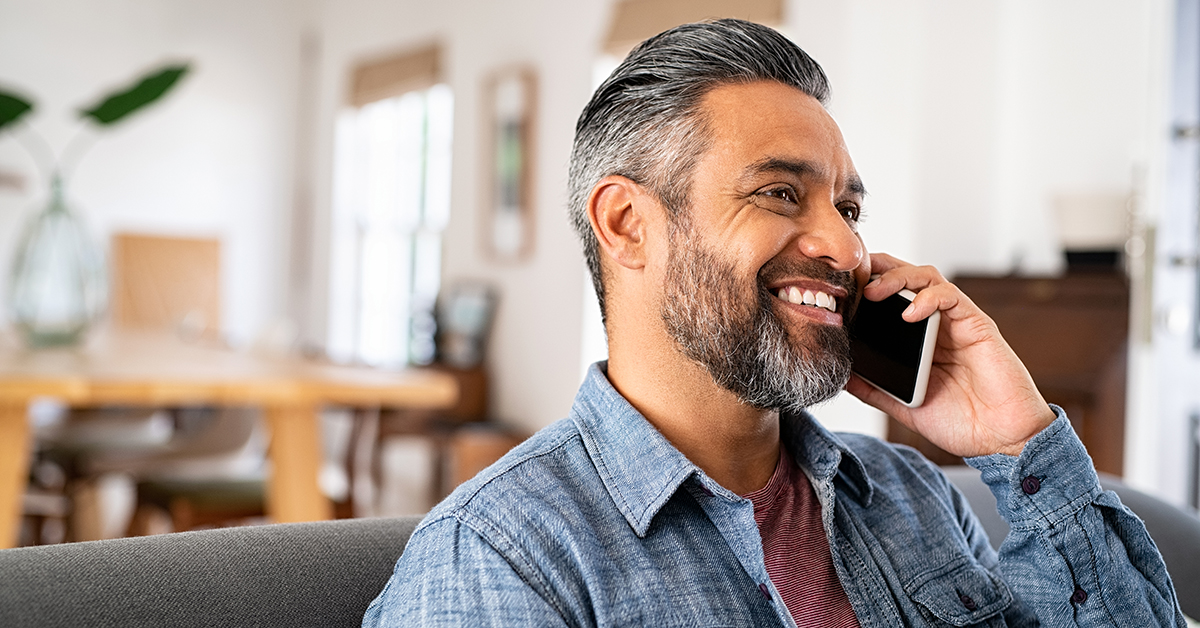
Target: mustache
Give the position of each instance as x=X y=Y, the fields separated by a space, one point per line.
x=776 y=270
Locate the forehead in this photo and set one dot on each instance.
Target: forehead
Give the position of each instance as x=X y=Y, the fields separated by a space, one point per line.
x=755 y=122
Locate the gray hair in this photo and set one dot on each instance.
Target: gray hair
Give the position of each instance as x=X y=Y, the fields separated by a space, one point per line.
x=644 y=121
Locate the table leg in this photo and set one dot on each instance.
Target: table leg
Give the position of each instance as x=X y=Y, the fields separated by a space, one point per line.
x=15 y=445
x=295 y=453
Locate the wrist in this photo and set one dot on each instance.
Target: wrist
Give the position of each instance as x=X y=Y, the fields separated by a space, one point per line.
x=1015 y=449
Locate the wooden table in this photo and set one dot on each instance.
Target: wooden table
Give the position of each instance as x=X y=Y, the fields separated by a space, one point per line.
x=154 y=369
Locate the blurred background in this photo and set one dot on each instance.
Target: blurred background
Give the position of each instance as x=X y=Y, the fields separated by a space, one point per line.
x=386 y=180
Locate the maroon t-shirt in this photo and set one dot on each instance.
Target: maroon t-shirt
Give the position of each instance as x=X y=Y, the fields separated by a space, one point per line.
x=796 y=551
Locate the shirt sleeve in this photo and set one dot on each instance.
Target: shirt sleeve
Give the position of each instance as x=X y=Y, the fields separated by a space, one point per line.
x=450 y=576
x=1075 y=555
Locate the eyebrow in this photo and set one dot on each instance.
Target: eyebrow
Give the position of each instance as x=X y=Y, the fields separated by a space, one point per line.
x=854 y=184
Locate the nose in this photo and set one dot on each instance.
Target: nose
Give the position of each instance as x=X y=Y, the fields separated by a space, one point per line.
x=826 y=236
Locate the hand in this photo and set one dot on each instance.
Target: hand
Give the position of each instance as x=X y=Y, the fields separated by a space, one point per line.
x=981 y=400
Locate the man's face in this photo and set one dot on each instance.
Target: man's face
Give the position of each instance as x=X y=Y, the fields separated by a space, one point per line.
x=766 y=262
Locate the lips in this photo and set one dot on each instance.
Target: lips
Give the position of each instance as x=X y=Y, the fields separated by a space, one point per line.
x=812 y=287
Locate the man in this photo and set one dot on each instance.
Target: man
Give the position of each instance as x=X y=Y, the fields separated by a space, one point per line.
x=689 y=487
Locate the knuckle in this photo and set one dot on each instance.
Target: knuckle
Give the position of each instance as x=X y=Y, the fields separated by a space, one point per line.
x=933 y=273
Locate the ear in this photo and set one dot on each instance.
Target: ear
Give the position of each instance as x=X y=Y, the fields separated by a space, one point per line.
x=616 y=209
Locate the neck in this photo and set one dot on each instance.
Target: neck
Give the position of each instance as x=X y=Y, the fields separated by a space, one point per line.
x=735 y=444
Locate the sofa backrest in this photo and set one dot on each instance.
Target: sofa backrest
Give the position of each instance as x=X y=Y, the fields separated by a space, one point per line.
x=297 y=574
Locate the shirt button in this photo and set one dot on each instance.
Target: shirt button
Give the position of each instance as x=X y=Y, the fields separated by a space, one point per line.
x=1031 y=485
x=1079 y=596
x=765 y=590
x=967 y=602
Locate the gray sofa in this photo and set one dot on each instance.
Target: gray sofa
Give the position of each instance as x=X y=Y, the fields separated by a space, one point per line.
x=325 y=574
x=298 y=574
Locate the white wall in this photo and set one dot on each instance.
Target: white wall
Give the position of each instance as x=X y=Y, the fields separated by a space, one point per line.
x=212 y=159
x=216 y=157
x=966 y=119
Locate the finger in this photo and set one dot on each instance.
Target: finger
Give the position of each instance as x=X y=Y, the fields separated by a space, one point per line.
x=878 y=288
x=944 y=297
x=883 y=262
x=930 y=300
x=915 y=278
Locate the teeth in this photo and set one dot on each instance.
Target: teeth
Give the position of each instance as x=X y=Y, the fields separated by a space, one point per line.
x=792 y=294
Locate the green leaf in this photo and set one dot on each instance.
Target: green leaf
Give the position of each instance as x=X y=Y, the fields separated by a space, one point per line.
x=150 y=88
x=12 y=108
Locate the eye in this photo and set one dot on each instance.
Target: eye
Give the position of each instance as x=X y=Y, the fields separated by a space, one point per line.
x=779 y=199
x=783 y=192
x=850 y=211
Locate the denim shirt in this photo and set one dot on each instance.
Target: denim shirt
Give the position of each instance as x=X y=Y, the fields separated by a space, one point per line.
x=598 y=520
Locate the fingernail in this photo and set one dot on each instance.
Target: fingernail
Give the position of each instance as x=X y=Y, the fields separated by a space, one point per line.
x=909 y=310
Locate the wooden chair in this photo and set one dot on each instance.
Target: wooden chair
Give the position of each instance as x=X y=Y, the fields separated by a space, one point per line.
x=164 y=282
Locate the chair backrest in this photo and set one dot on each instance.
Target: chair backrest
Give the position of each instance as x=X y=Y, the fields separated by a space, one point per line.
x=164 y=282
x=296 y=574
x=1176 y=532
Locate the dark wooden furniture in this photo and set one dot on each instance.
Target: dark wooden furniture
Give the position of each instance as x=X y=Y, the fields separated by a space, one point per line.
x=464 y=439
x=1071 y=331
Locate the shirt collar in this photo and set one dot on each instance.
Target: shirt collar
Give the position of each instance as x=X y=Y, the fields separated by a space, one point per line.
x=824 y=455
x=638 y=465
x=642 y=470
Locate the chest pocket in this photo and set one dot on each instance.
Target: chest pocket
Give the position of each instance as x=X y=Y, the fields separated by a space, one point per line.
x=965 y=595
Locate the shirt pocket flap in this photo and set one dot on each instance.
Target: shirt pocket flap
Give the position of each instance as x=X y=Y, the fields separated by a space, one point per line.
x=962 y=595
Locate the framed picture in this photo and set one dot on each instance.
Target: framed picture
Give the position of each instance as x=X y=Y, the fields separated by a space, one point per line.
x=508 y=215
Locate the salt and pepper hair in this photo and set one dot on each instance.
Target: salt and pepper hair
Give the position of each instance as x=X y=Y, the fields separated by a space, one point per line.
x=644 y=122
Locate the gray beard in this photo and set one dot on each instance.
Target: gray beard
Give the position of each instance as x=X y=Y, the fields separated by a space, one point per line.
x=741 y=342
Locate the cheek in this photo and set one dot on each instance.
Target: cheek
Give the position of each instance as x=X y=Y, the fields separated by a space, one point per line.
x=764 y=244
x=657 y=250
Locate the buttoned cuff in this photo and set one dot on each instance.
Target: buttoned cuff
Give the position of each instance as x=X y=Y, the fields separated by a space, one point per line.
x=1051 y=480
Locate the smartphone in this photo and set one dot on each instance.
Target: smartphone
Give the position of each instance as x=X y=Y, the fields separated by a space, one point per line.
x=891 y=353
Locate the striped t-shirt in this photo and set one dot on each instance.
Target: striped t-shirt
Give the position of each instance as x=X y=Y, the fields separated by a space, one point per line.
x=796 y=550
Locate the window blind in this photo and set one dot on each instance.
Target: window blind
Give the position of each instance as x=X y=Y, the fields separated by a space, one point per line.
x=396 y=74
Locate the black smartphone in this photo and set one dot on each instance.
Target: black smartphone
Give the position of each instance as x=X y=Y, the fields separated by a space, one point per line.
x=891 y=353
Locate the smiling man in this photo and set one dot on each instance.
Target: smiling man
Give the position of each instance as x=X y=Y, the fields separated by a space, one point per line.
x=718 y=208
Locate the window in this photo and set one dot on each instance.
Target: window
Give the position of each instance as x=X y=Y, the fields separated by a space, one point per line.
x=391 y=201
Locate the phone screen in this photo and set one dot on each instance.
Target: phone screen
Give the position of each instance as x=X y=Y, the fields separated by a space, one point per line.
x=886 y=349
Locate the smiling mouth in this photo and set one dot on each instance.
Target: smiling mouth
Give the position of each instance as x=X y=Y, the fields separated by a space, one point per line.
x=811 y=298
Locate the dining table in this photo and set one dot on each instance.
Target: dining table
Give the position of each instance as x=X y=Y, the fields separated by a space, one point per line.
x=140 y=368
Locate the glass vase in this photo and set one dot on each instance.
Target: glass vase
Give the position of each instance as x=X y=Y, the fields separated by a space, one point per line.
x=59 y=284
